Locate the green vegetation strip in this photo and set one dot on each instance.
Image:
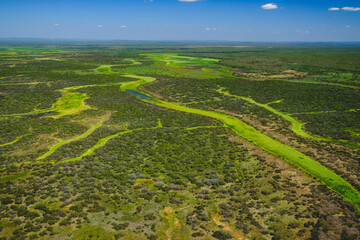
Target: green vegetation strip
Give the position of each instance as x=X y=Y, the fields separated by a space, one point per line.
x=248 y=132
x=273 y=146
x=12 y=142
x=104 y=140
x=267 y=143
x=175 y=60
x=296 y=125
x=14 y=176
x=54 y=147
x=99 y=144
x=131 y=61
x=309 y=82
x=277 y=148
x=334 y=111
x=16 y=139
x=70 y=103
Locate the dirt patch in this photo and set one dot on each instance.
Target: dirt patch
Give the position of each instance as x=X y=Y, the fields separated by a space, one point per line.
x=287 y=74
x=236 y=234
x=173 y=222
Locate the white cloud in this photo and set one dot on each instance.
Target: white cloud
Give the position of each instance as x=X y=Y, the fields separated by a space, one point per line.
x=352 y=9
x=334 y=9
x=269 y=6
x=123 y=26
x=210 y=29
x=348 y=26
x=303 y=31
x=99 y=26
x=189 y=0
x=56 y=24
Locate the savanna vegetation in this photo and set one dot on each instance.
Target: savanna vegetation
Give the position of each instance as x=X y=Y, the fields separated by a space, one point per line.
x=171 y=141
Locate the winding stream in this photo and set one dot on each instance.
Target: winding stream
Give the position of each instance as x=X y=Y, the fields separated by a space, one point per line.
x=296 y=125
x=289 y=154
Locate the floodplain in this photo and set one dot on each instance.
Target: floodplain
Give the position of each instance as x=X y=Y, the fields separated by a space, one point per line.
x=178 y=142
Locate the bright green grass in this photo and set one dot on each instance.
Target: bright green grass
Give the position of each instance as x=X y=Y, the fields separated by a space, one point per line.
x=14 y=176
x=132 y=61
x=277 y=148
x=353 y=133
x=69 y=104
x=105 y=69
x=16 y=139
x=96 y=232
x=73 y=102
x=134 y=85
x=320 y=112
x=159 y=123
x=93 y=85
x=12 y=142
x=198 y=127
x=99 y=144
x=271 y=145
x=267 y=143
x=173 y=59
x=102 y=142
x=309 y=82
x=48 y=59
x=296 y=125
x=182 y=65
x=54 y=147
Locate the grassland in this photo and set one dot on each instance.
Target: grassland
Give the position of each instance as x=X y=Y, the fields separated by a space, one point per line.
x=162 y=143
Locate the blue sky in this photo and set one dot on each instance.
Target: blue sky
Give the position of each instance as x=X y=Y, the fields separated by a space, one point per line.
x=285 y=20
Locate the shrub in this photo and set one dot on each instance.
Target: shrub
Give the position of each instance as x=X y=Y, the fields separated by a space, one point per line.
x=222 y=235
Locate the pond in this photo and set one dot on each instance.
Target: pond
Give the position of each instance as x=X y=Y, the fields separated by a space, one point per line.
x=139 y=95
x=45 y=114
